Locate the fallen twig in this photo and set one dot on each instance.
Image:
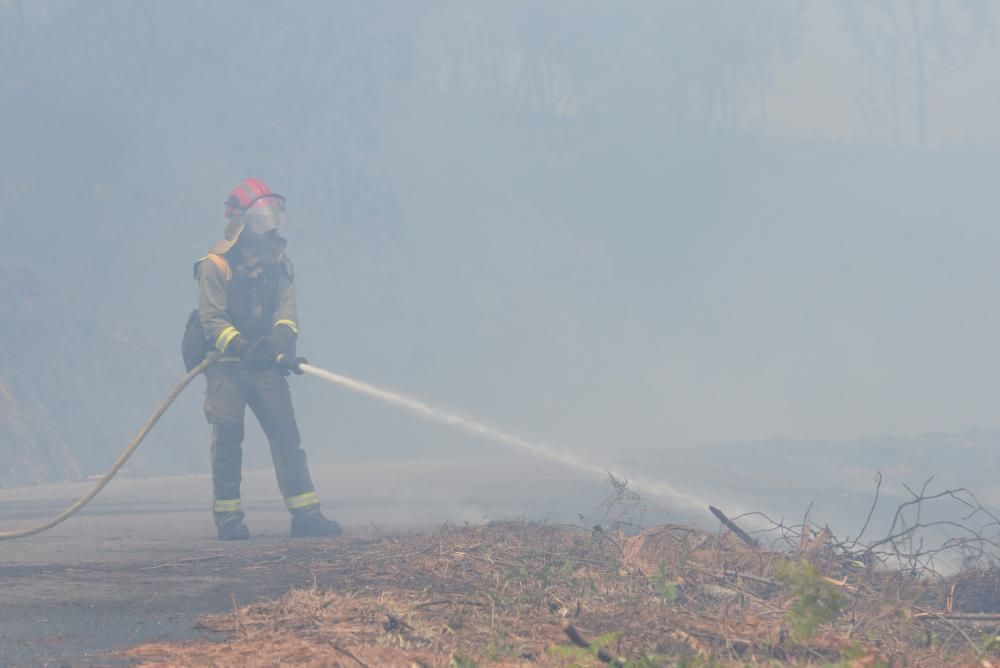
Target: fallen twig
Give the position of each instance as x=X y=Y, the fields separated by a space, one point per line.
x=725 y=575
x=346 y=653
x=964 y=616
x=729 y=524
x=183 y=562
x=950 y=622
x=448 y=601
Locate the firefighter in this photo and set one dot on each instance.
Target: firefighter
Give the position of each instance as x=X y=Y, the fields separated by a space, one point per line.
x=248 y=313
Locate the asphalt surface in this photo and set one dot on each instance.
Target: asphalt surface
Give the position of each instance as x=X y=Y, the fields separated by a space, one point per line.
x=142 y=564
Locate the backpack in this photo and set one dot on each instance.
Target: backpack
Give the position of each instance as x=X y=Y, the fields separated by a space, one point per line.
x=194 y=346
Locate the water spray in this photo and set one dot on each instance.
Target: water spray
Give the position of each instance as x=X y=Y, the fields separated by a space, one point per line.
x=479 y=429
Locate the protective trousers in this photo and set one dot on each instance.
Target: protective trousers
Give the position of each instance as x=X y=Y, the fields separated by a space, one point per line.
x=231 y=387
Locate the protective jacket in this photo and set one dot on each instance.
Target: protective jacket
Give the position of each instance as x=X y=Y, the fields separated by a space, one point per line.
x=250 y=292
x=244 y=294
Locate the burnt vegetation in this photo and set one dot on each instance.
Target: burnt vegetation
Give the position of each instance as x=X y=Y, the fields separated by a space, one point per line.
x=924 y=593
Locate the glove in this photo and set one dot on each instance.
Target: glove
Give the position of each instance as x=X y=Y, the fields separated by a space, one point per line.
x=239 y=347
x=283 y=341
x=260 y=355
x=271 y=346
x=293 y=364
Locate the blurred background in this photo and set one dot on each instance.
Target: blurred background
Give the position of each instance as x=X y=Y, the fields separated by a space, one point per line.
x=743 y=244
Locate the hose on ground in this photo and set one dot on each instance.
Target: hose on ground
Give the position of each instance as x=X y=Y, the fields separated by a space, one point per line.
x=122 y=458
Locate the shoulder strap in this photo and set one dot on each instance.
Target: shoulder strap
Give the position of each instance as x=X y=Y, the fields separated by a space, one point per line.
x=220 y=263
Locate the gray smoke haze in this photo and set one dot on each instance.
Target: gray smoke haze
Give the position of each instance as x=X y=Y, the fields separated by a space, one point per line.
x=628 y=229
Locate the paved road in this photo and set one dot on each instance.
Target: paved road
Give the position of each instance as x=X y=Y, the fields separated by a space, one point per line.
x=141 y=562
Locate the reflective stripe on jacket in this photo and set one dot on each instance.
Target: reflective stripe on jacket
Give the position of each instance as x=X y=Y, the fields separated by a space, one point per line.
x=245 y=297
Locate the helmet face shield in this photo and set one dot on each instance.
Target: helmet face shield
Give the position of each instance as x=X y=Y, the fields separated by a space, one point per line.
x=266 y=213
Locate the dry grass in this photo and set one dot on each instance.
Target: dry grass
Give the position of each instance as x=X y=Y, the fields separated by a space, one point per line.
x=504 y=594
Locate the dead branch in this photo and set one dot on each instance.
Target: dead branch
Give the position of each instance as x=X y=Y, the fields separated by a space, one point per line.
x=729 y=524
x=966 y=616
x=817 y=543
x=338 y=648
x=871 y=510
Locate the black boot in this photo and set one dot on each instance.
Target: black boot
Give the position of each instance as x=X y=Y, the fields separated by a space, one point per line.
x=234 y=531
x=314 y=525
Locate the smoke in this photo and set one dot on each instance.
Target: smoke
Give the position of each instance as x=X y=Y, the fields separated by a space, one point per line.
x=677 y=499
x=628 y=228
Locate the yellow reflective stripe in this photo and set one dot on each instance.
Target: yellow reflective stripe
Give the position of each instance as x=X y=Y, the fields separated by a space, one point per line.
x=225 y=336
x=290 y=324
x=302 y=501
x=226 y=505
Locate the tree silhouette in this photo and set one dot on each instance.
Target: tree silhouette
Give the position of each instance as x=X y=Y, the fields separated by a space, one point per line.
x=910 y=44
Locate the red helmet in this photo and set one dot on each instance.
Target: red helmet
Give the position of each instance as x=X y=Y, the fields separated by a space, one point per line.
x=242 y=196
x=253 y=203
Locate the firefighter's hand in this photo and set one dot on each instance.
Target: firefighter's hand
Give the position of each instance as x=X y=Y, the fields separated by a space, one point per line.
x=259 y=355
x=284 y=341
x=240 y=347
x=293 y=364
x=273 y=347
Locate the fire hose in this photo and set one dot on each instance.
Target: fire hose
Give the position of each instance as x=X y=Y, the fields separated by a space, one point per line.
x=78 y=505
x=122 y=458
x=134 y=443
x=413 y=406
